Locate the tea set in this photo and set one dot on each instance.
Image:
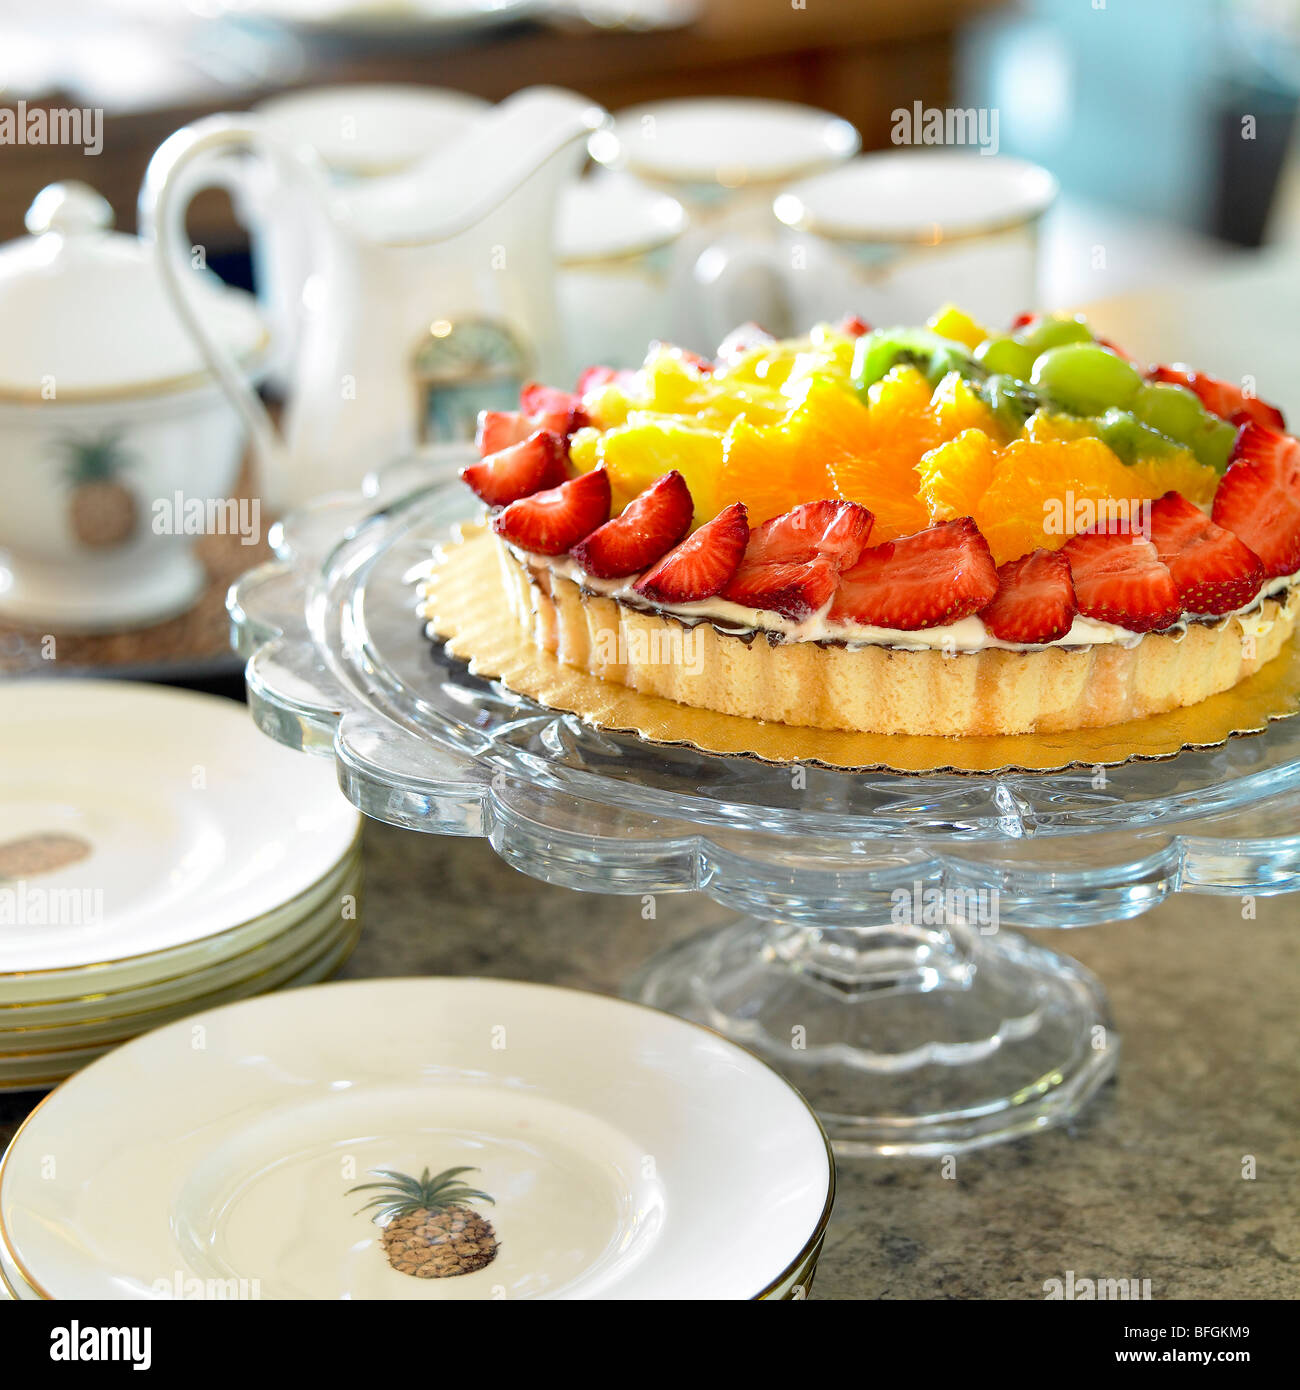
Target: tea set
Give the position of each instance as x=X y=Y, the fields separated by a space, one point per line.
x=418 y=254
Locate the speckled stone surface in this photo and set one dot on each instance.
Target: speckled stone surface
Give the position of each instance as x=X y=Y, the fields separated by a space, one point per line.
x=1148 y=1186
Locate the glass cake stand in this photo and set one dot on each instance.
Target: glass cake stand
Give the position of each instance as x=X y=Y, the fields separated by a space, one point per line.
x=872 y=962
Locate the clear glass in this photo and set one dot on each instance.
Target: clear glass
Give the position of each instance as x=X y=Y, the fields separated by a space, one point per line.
x=873 y=962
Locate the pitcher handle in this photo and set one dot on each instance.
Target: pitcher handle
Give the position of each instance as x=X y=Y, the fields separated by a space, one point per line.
x=186 y=163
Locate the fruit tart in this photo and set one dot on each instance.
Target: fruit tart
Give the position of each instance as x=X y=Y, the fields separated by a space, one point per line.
x=940 y=530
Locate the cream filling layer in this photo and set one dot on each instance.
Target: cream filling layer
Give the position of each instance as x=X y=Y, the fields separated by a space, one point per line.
x=968 y=635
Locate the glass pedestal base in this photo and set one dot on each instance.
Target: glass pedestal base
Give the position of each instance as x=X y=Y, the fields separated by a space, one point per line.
x=918 y=1042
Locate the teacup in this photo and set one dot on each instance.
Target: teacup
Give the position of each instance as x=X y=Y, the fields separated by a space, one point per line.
x=887 y=237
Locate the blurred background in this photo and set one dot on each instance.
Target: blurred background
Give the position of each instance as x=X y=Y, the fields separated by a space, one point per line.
x=423 y=228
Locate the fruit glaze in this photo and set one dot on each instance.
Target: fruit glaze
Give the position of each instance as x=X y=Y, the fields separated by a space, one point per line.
x=938 y=489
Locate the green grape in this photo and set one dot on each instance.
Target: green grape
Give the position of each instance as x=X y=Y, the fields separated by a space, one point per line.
x=1085 y=379
x=1006 y=357
x=1055 y=330
x=878 y=352
x=1128 y=437
x=1213 y=444
x=1175 y=411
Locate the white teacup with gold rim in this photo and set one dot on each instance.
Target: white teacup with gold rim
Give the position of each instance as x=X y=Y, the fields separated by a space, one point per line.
x=119 y=445
x=887 y=236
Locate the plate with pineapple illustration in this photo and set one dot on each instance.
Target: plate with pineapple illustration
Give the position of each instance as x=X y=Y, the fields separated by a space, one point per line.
x=136 y=819
x=420 y=1139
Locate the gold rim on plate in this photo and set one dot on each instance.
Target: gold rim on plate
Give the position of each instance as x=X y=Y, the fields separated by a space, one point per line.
x=353 y=848
x=806 y=1258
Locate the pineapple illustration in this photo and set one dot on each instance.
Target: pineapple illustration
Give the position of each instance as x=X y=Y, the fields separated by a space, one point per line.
x=102 y=510
x=429 y=1230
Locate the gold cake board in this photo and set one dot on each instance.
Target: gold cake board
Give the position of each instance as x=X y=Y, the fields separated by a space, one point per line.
x=463 y=604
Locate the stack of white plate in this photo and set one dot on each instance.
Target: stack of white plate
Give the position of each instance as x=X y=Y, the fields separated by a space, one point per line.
x=158 y=856
x=419 y=1139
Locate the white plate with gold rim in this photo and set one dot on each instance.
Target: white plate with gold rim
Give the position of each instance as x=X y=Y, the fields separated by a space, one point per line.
x=39 y=1071
x=730 y=141
x=606 y=1150
x=35 y=1000
x=113 y=1018
x=136 y=819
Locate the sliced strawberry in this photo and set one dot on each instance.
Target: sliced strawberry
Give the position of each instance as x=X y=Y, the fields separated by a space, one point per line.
x=703 y=564
x=1119 y=578
x=1258 y=498
x=1222 y=397
x=551 y=522
x=1115 y=348
x=593 y=378
x=519 y=470
x=499 y=429
x=649 y=526
x=552 y=409
x=938 y=576
x=1214 y=572
x=1035 y=599
x=793 y=561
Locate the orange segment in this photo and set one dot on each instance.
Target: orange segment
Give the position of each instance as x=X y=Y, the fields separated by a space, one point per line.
x=955 y=475
x=1044 y=427
x=956 y=407
x=877 y=464
x=767 y=469
x=1040 y=493
x=1179 y=472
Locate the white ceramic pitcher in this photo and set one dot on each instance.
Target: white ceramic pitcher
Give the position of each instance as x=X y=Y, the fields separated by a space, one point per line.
x=432 y=292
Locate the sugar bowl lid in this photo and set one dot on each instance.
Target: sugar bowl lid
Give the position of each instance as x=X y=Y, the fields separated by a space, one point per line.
x=86 y=311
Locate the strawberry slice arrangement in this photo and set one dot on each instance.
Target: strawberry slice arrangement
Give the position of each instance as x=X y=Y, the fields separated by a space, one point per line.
x=936 y=577
x=793 y=562
x=817 y=559
x=553 y=521
x=1119 y=578
x=1034 y=601
x=1213 y=571
x=651 y=524
x=1259 y=497
x=518 y=470
x=702 y=566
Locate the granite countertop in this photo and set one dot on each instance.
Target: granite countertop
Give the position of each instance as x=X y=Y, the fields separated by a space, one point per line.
x=1150 y=1183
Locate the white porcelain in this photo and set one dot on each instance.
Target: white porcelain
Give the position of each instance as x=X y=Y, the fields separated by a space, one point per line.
x=192 y=822
x=107 y=412
x=156 y=978
x=888 y=237
x=723 y=158
x=629 y=1154
x=724 y=143
x=12 y=1284
x=358 y=131
x=616 y=280
x=106 y=1021
x=38 y=1020
x=41 y=1071
x=431 y=291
